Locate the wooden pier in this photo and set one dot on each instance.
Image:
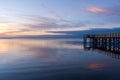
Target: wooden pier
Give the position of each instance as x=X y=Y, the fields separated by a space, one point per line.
x=107 y=42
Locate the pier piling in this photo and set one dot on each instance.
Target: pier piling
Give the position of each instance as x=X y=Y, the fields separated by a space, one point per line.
x=107 y=42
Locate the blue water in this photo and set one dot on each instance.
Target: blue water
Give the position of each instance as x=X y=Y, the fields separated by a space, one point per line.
x=55 y=60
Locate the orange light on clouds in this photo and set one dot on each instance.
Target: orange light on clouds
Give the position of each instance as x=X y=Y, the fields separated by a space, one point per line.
x=17 y=31
x=31 y=33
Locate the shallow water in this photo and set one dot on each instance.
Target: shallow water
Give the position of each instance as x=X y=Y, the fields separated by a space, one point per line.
x=55 y=60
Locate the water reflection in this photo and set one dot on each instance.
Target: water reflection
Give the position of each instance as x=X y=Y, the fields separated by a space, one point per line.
x=49 y=50
x=97 y=66
x=53 y=60
x=112 y=54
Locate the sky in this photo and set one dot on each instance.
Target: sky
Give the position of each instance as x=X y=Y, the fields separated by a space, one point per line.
x=39 y=17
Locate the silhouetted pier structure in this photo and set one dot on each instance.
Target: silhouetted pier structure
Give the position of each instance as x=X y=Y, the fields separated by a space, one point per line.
x=107 y=42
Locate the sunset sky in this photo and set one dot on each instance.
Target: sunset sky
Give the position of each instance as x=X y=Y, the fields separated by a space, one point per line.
x=39 y=17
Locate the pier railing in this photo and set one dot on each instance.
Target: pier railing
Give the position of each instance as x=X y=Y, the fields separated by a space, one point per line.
x=108 y=42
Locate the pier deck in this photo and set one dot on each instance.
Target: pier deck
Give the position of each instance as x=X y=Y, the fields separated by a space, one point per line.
x=108 y=42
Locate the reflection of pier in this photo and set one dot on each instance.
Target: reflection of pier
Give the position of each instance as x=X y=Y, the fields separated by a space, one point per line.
x=107 y=42
x=107 y=53
x=113 y=55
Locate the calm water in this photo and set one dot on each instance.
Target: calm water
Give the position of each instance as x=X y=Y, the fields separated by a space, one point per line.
x=55 y=60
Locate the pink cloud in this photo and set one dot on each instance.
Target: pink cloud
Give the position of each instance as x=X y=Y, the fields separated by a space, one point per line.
x=97 y=10
x=104 y=11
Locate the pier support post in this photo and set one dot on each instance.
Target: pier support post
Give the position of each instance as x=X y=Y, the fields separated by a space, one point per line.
x=108 y=42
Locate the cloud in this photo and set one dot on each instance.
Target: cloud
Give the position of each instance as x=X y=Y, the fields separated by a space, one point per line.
x=47 y=24
x=36 y=25
x=97 y=10
x=51 y=12
x=105 y=11
x=4 y=22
